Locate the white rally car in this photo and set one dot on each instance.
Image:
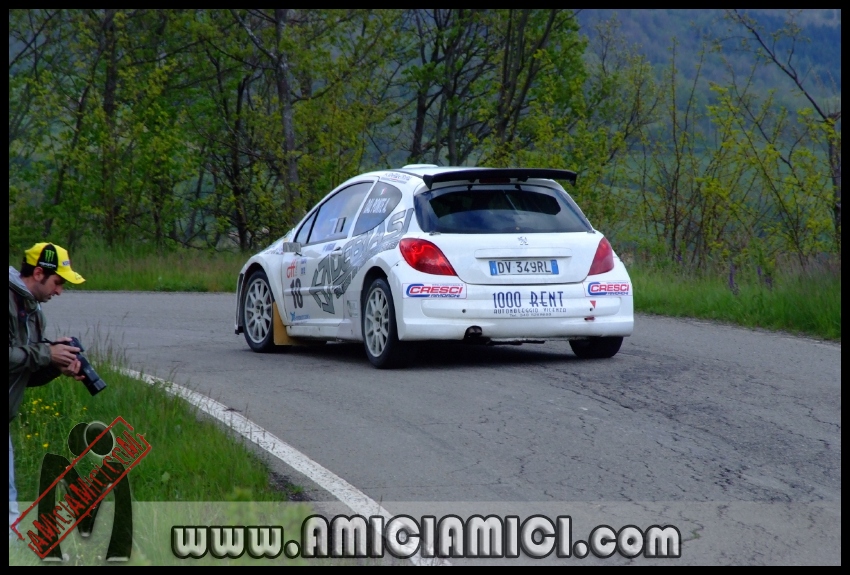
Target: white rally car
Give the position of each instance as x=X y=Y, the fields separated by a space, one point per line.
x=483 y=255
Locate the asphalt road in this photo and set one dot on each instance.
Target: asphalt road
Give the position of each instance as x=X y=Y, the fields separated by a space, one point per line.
x=733 y=435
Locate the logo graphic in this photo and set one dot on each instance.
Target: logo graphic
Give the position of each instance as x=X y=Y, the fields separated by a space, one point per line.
x=56 y=517
x=523 y=241
x=435 y=290
x=609 y=288
x=395 y=176
x=48 y=259
x=593 y=303
x=375 y=205
x=335 y=271
x=403 y=536
x=290 y=270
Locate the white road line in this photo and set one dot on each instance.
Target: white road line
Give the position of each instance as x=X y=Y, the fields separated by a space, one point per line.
x=356 y=500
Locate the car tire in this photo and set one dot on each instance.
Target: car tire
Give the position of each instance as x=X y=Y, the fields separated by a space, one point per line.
x=380 y=334
x=258 y=313
x=596 y=347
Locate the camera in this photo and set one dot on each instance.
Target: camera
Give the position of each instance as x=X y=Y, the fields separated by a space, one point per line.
x=90 y=379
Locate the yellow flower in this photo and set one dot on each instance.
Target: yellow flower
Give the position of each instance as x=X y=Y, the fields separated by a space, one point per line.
x=56 y=414
x=85 y=408
x=36 y=434
x=29 y=435
x=46 y=444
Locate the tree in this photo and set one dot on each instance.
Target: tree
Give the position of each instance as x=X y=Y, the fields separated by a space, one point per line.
x=108 y=150
x=777 y=49
x=525 y=36
x=447 y=70
x=295 y=96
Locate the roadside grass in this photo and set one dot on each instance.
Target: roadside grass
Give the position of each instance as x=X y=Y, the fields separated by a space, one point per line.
x=141 y=268
x=191 y=457
x=802 y=303
x=196 y=473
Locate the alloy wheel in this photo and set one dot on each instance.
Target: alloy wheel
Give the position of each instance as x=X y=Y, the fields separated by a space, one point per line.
x=258 y=310
x=377 y=322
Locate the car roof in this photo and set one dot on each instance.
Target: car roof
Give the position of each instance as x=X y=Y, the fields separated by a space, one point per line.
x=432 y=174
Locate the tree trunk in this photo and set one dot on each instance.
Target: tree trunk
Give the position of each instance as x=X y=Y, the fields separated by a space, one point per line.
x=284 y=93
x=108 y=162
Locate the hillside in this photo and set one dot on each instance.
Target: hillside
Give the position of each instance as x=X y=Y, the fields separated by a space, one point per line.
x=652 y=33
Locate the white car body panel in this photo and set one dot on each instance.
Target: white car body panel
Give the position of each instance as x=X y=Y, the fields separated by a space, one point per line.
x=270 y=262
x=575 y=313
x=470 y=255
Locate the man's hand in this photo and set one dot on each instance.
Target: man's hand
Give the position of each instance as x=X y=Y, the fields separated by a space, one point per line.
x=64 y=356
x=73 y=370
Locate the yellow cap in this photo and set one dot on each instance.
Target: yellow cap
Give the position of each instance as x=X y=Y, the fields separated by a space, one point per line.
x=52 y=258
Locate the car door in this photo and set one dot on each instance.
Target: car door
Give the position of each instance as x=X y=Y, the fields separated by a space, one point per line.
x=294 y=275
x=318 y=307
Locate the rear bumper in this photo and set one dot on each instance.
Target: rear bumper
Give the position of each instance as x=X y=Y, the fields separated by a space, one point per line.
x=528 y=329
x=509 y=312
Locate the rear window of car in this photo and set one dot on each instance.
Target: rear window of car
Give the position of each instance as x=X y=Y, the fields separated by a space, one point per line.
x=498 y=211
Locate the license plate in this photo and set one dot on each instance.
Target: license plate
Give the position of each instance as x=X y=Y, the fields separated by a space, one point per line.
x=523 y=267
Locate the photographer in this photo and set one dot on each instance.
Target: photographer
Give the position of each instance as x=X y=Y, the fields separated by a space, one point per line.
x=33 y=360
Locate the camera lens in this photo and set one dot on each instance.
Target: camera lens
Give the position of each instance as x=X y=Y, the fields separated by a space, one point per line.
x=91 y=379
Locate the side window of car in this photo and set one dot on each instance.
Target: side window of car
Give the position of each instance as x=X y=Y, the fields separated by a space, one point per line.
x=336 y=215
x=380 y=203
x=304 y=232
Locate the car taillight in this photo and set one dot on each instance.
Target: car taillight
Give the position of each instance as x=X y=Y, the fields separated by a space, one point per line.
x=424 y=256
x=603 y=261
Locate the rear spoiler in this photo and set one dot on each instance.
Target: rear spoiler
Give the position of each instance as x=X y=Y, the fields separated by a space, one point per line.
x=521 y=174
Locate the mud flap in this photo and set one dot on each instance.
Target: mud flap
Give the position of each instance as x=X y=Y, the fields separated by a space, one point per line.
x=280 y=335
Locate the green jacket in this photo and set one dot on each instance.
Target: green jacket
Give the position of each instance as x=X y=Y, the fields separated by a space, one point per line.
x=29 y=361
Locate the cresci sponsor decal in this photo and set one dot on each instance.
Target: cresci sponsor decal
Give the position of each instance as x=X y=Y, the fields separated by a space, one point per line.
x=617 y=288
x=418 y=290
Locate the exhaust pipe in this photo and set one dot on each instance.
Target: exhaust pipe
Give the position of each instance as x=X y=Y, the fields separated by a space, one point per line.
x=473 y=332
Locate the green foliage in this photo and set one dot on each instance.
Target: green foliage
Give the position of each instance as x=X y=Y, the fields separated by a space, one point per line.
x=179 y=466
x=145 y=267
x=220 y=128
x=112 y=149
x=179 y=482
x=806 y=303
x=788 y=171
